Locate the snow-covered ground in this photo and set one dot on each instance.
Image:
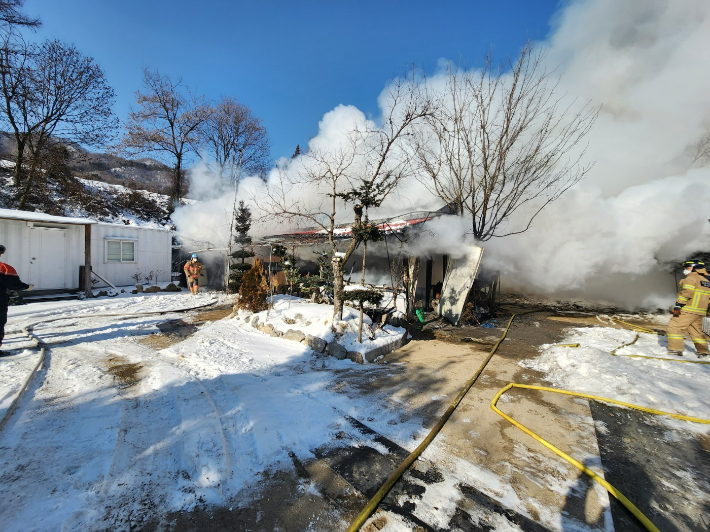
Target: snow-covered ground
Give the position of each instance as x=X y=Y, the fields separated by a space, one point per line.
x=196 y=424
x=113 y=431
x=667 y=385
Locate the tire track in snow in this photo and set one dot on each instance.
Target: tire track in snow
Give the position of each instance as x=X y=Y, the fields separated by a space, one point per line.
x=167 y=388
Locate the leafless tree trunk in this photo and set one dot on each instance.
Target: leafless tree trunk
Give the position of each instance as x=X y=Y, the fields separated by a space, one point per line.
x=502 y=140
x=412 y=276
x=166 y=122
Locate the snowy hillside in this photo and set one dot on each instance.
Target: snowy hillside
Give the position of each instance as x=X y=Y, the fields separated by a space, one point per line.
x=77 y=197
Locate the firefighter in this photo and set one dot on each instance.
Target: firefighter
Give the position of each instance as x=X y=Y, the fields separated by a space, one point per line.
x=192 y=271
x=9 y=280
x=690 y=308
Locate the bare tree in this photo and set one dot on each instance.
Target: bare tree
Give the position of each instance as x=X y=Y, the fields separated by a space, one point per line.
x=165 y=123
x=10 y=15
x=308 y=195
x=700 y=151
x=51 y=90
x=386 y=162
x=501 y=139
x=236 y=139
x=371 y=163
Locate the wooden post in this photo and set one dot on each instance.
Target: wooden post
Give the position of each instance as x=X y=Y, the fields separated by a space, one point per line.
x=87 y=261
x=427 y=283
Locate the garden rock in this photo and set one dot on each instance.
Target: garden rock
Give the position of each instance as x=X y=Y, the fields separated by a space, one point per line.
x=172 y=287
x=356 y=357
x=296 y=336
x=269 y=329
x=152 y=289
x=336 y=350
x=139 y=288
x=317 y=344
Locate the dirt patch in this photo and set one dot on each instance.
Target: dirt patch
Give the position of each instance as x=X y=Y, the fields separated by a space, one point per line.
x=126 y=373
x=174 y=331
x=214 y=314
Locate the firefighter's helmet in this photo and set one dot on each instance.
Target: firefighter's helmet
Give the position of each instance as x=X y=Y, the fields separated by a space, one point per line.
x=694 y=264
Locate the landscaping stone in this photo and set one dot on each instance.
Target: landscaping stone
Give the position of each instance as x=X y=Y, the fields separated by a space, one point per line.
x=255 y=322
x=172 y=287
x=317 y=344
x=336 y=350
x=371 y=356
x=355 y=357
x=296 y=336
x=152 y=289
x=139 y=287
x=269 y=329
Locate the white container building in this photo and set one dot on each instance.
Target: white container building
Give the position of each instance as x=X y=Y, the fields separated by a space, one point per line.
x=49 y=251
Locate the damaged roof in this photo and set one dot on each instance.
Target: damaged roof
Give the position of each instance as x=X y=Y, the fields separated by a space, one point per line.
x=389 y=226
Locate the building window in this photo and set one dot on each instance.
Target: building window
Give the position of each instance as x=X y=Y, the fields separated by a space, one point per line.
x=120 y=251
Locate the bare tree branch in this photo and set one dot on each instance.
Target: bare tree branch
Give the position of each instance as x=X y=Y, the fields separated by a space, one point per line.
x=166 y=122
x=501 y=140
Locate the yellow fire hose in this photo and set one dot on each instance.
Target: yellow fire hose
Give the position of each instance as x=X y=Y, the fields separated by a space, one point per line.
x=611 y=489
x=394 y=477
x=639 y=329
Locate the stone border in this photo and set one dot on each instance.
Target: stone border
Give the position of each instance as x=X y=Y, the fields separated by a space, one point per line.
x=321 y=346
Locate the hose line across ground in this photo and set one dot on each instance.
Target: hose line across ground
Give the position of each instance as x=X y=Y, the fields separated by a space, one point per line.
x=639 y=329
x=394 y=477
x=611 y=489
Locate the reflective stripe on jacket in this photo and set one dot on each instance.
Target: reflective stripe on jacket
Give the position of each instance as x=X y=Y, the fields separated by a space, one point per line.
x=695 y=294
x=193 y=269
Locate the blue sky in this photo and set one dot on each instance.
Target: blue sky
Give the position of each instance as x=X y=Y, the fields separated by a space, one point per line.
x=290 y=61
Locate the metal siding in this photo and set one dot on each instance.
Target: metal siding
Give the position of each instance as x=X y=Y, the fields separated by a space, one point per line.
x=15 y=236
x=152 y=253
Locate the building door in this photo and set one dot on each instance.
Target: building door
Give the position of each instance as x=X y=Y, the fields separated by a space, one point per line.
x=47 y=258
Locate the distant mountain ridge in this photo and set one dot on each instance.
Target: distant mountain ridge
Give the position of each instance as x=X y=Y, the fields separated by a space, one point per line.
x=143 y=174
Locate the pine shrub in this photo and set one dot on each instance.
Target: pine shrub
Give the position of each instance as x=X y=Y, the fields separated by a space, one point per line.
x=254 y=289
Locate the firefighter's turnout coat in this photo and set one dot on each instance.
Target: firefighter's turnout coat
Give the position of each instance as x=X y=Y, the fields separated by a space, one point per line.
x=694 y=295
x=192 y=270
x=9 y=280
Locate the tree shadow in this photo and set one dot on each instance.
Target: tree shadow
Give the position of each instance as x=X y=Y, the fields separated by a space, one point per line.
x=664 y=471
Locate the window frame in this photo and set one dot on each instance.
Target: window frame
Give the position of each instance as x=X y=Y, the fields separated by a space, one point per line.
x=121 y=241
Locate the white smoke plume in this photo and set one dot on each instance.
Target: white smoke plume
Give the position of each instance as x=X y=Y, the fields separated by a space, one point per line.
x=645 y=202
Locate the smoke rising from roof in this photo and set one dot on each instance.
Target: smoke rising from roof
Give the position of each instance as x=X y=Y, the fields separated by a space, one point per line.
x=643 y=205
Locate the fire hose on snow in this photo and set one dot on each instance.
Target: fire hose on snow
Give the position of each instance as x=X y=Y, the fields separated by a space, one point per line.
x=404 y=466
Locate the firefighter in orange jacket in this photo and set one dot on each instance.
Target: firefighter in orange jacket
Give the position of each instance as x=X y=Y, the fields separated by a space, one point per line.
x=690 y=309
x=9 y=280
x=192 y=271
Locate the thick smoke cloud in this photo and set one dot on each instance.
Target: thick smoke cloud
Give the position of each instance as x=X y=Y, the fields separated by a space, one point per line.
x=644 y=204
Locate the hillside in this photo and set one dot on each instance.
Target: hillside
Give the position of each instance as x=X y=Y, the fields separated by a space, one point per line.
x=142 y=174
x=75 y=196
